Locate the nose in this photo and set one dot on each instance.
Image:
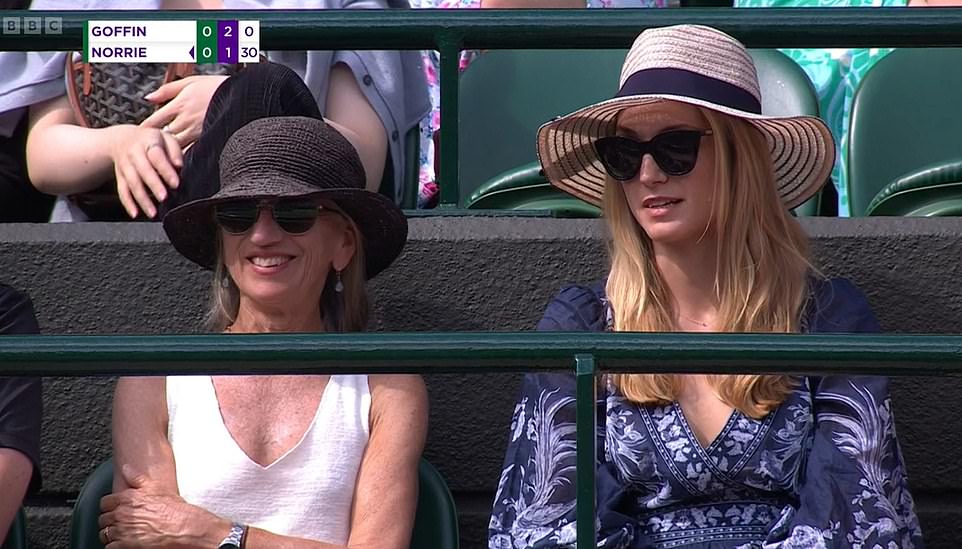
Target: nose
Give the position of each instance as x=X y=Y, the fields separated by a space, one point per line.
x=650 y=172
x=265 y=230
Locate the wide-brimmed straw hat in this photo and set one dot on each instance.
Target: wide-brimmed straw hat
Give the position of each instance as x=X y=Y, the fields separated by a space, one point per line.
x=292 y=156
x=700 y=66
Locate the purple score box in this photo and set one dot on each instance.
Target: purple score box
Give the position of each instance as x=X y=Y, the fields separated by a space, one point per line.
x=227 y=41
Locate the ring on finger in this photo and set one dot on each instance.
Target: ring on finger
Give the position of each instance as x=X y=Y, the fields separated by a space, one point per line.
x=105 y=533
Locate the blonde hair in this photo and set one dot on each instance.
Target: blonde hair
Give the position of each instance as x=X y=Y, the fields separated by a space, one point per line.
x=761 y=275
x=344 y=311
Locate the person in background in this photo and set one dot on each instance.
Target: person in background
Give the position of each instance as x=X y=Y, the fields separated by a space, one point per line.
x=375 y=107
x=21 y=409
x=836 y=74
x=428 y=192
x=19 y=200
x=266 y=461
x=261 y=90
x=696 y=186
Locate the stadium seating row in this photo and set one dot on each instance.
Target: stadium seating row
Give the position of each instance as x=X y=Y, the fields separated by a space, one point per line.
x=904 y=149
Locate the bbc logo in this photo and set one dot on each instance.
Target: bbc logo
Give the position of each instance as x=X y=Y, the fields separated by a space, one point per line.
x=32 y=25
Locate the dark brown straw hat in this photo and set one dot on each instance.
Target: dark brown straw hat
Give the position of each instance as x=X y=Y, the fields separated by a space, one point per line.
x=291 y=156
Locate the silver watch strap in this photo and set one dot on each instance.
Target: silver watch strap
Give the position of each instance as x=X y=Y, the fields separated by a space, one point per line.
x=234 y=537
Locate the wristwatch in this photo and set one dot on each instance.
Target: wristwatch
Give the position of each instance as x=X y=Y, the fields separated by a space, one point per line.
x=234 y=538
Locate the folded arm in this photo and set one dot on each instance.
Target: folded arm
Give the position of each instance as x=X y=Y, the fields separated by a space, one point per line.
x=146 y=509
x=854 y=491
x=65 y=158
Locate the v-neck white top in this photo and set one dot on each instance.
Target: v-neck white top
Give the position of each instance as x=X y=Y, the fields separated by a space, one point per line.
x=305 y=493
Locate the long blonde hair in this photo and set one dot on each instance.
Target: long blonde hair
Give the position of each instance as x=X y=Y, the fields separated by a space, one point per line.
x=344 y=311
x=761 y=275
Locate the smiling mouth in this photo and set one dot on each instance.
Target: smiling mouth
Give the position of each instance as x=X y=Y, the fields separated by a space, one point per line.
x=272 y=261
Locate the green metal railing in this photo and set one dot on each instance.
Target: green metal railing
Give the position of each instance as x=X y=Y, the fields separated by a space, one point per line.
x=452 y=31
x=491 y=352
x=586 y=355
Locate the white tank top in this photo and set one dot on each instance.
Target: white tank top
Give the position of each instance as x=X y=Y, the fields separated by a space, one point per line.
x=306 y=493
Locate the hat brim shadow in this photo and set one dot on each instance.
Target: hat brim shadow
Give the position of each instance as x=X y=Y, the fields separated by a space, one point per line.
x=193 y=230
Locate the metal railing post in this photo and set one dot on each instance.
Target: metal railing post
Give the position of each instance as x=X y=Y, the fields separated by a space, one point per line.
x=449 y=46
x=586 y=448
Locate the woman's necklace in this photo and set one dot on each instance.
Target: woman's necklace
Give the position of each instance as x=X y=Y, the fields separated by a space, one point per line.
x=693 y=321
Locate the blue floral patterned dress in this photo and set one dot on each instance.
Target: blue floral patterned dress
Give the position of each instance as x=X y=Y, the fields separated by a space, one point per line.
x=823 y=470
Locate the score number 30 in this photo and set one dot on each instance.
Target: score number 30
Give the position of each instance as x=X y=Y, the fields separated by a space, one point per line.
x=247 y=53
x=249 y=42
x=250 y=33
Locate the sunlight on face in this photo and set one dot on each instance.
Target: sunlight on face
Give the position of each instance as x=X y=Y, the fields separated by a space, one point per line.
x=671 y=209
x=274 y=269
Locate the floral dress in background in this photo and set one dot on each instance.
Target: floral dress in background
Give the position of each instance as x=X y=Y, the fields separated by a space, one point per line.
x=428 y=192
x=835 y=74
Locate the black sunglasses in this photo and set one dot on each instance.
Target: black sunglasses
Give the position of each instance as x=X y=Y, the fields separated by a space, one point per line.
x=675 y=152
x=293 y=215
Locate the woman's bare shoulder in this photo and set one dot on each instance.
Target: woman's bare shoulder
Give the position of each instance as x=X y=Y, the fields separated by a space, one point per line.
x=142 y=393
x=399 y=400
x=405 y=387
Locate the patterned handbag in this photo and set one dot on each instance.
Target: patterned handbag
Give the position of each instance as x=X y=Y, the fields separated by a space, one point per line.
x=108 y=94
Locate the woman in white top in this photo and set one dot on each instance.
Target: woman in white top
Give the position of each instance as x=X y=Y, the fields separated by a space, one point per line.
x=308 y=461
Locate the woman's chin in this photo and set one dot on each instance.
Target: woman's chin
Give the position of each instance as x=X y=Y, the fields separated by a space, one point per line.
x=673 y=232
x=273 y=295
x=670 y=230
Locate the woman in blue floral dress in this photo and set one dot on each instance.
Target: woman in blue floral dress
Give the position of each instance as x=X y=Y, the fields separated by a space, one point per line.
x=696 y=187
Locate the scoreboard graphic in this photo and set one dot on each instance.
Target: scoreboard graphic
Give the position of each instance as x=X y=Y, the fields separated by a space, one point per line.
x=172 y=41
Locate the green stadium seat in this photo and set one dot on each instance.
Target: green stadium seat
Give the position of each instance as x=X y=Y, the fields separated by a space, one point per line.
x=436 y=520
x=905 y=139
x=525 y=188
x=435 y=524
x=932 y=191
x=506 y=95
x=84 y=532
x=17 y=536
